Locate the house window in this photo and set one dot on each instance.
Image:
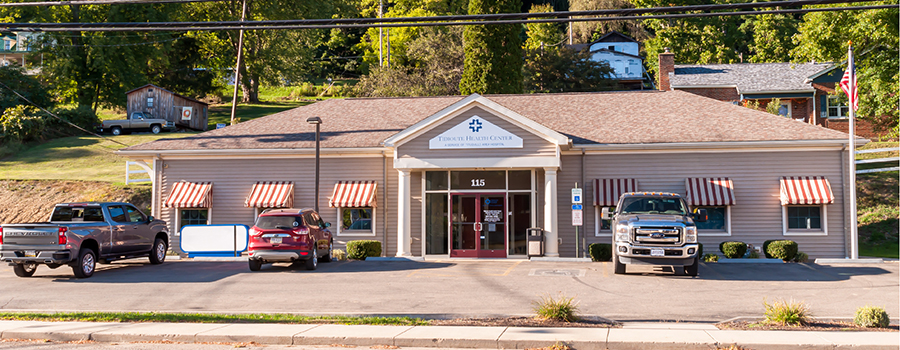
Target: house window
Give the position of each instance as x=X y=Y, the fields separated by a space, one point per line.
x=356 y=221
x=718 y=222
x=149 y=102
x=837 y=107
x=784 y=109
x=193 y=217
x=7 y=44
x=602 y=227
x=804 y=218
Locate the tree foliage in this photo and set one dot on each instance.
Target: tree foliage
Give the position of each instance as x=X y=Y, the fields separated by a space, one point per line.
x=565 y=70
x=585 y=32
x=493 y=53
x=823 y=36
x=28 y=86
x=771 y=35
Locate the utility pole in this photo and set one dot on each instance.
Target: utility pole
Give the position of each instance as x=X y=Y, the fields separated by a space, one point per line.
x=237 y=67
x=380 y=35
x=570 y=31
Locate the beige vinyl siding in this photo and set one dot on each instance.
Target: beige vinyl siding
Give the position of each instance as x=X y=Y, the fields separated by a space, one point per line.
x=757 y=214
x=233 y=179
x=532 y=145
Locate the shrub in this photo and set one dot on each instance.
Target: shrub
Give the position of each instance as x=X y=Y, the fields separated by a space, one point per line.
x=560 y=309
x=765 y=248
x=339 y=255
x=710 y=258
x=801 y=257
x=787 y=313
x=752 y=254
x=784 y=250
x=734 y=249
x=360 y=250
x=21 y=124
x=82 y=116
x=871 y=316
x=600 y=251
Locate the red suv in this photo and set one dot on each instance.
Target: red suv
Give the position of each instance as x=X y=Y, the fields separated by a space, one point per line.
x=290 y=235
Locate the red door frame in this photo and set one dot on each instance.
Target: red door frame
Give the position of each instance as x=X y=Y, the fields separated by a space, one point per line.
x=478 y=252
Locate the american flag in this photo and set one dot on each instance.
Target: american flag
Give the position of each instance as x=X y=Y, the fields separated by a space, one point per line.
x=849 y=85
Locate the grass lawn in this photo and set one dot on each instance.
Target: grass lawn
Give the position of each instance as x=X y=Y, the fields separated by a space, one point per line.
x=222 y=113
x=75 y=158
x=878 y=205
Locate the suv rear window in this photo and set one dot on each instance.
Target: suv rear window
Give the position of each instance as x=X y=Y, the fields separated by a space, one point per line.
x=89 y=214
x=278 y=222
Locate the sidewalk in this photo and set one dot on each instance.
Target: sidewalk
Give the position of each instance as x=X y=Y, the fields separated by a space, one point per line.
x=630 y=336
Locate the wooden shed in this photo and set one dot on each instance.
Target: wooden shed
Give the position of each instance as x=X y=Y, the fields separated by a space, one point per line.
x=185 y=112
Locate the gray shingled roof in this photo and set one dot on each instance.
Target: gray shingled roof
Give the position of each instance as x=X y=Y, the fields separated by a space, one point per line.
x=587 y=118
x=748 y=77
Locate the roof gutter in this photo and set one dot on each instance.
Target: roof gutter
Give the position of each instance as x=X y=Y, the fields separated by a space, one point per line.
x=786 y=144
x=253 y=152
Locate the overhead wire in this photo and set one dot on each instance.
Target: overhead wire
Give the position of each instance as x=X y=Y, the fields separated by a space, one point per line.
x=99 y=2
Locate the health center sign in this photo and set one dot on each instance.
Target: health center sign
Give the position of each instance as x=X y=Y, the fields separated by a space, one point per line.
x=475 y=132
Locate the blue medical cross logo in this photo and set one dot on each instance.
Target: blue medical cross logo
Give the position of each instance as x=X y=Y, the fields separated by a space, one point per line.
x=475 y=125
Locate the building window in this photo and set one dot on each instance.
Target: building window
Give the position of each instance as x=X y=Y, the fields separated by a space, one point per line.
x=805 y=220
x=193 y=217
x=784 y=109
x=718 y=221
x=356 y=221
x=149 y=102
x=602 y=227
x=837 y=107
x=7 y=45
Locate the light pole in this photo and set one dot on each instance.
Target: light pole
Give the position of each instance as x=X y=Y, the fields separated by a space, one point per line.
x=317 y=121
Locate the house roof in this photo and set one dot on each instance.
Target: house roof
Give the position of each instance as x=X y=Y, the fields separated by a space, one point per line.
x=615 y=37
x=748 y=77
x=169 y=91
x=618 y=53
x=635 y=117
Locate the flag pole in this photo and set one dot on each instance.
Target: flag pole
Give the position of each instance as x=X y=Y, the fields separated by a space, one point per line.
x=854 y=234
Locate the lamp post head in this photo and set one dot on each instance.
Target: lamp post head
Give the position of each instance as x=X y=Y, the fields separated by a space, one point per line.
x=314 y=120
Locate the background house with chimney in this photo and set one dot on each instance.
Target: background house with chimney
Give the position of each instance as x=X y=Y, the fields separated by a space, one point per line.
x=622 y=54
x=805 y=91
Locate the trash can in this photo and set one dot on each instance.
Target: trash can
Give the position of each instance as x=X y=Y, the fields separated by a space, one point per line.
x=535 y=241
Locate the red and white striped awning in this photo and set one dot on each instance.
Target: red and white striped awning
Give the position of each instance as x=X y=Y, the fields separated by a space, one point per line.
x=805 y=190
x=190 y=195
x=271 y=195
x=709 y=191
x=353 y=194
x=608 y=191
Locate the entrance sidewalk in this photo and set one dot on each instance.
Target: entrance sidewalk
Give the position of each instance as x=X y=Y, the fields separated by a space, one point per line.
x=630 y=336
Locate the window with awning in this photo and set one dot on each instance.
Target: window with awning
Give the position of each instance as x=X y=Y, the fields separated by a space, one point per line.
x=806 y=190
x=278 y=194
x=608 y=191
x=353 y=194
x=190 y=195
x=709 y=191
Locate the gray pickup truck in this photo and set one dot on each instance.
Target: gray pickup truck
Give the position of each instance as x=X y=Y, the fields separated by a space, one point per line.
x=655 y=228
x=81 y=235
x=138 y=121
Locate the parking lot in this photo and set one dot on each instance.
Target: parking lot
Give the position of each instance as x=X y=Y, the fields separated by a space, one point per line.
x=452 y=288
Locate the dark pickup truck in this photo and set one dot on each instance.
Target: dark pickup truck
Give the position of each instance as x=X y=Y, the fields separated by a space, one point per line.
x=81 y=235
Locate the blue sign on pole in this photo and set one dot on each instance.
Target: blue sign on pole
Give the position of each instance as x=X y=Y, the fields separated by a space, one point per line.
x=577 y=207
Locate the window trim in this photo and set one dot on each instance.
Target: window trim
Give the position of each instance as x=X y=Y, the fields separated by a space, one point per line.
x=804 y=232
x=178 y=218
x=340 y=223
x=714 y=233
x=839 y=106
x=598 y=232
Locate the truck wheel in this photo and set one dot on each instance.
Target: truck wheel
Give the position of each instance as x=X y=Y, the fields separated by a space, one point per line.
x=116 y=131
x=255 y=265
x=313 y=260
x=619 y=267
x=87 y=262
x=158 y=253
x=155 y=129
x=327 y=257
x=691 y=270
x=25 y=270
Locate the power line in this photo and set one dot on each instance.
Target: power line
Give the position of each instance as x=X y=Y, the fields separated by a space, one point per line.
x=407 y=23
x=480 y=17
x=100 y=2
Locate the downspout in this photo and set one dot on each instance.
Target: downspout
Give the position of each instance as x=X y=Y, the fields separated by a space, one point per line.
x=385 y=200
x=584 y=249
x=815 y=112
x=155 y=185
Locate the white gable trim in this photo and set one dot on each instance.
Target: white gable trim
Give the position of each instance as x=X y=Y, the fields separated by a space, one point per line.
x=467 y=103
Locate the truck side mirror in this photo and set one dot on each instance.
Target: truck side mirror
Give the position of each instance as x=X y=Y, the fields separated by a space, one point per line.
x=605 y=214
x=150 y=218
x=327 y=224
x=700 y=215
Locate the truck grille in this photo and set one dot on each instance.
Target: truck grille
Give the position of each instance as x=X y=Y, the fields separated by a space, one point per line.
x=668 y=235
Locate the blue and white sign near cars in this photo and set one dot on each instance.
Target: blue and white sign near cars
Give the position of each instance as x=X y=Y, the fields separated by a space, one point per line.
x=577 y=207
x=475 y=132
x=576 y=196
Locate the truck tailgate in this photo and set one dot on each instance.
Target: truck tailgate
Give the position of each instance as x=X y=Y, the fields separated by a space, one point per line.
x=31 y=235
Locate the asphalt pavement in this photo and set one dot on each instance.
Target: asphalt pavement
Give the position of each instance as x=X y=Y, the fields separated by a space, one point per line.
x=455 y=288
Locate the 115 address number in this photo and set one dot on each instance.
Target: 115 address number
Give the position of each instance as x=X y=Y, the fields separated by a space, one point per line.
x=477 y=182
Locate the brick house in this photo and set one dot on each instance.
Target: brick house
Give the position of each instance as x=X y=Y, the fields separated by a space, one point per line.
x=806 y=90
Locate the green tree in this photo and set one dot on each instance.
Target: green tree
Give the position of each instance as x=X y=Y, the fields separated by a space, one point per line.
x=565 y=70
x=26 y=85
x=493 y=53
x=585 y=32
x=543 y=35
x=823 y=37
x=772 y=36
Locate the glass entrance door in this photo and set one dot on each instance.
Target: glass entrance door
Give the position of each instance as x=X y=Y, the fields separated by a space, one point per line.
x=478 y=223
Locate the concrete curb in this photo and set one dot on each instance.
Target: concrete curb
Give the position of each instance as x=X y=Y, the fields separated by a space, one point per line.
x=750 y=261
x=396 y=258
x=850 y=261
x=630 y=336
x=547 y=259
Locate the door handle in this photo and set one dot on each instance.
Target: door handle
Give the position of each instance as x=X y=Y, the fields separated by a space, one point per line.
x=478 y=227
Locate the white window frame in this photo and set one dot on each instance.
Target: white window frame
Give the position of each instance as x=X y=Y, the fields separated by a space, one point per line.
x=804 y=232
x=840 y=107
x=340 y=223
x=178 y=218
x=597 y=223
x=727 y=232
x=789 y=108
x=149 y=102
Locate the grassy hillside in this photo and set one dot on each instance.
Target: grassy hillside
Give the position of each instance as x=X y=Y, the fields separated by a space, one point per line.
x=878 y=205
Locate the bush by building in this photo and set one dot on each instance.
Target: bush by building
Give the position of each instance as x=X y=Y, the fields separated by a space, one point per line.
x=600 y=251
x=360 y=250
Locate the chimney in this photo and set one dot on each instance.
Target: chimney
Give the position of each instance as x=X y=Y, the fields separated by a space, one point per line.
x=666 y=66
